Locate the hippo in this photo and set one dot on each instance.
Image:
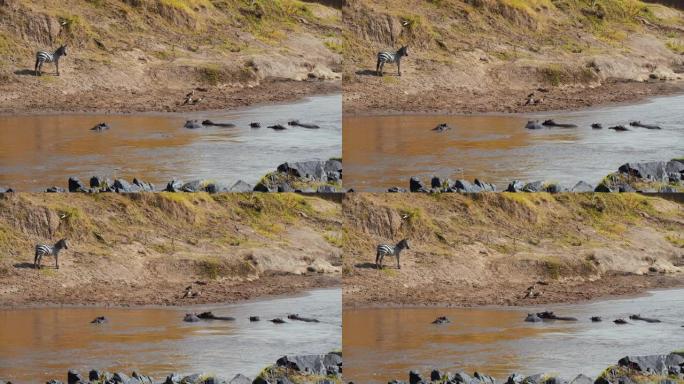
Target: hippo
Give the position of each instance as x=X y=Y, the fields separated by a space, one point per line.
x=597 y=126
x=277 y=127
x=442 y=128
x=596 y=319
x=646 y=319
x=212 y=124
x=619 y=128
x=620 y=321
x=211 y=316
x=296 y=123
x=647 y=126
x=548 y=315
x=441 y=320
x=551 y=123
x=100 y=127
x=191 y=318
x=254 y=318
x=300 y=318
x=99 y=320
x=534 y=124
x=277 y=320
x=532 y=318
x=255 y=125
x=193 y=124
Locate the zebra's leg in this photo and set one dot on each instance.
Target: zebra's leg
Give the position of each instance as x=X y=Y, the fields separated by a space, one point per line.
x=35 y=261
x=377 y=68
x=382 y=66
x=398 y=265
x=57 y=66
x=382 y=256
x=399 y=67
x=40 y=258
x=35 y=69
x=57 y=260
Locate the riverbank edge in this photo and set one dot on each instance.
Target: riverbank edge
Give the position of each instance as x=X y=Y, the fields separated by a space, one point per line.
x=675 y=281
x=322 y=283
x=251 y=99
x=673 y=88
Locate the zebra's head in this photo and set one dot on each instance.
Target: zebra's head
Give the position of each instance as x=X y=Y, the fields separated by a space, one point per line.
x=62 y=244
x=61 y=50
x=404 y=244
x=403 y=51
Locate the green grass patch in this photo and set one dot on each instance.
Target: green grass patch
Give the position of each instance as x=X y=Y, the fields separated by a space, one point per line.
x=676 y=240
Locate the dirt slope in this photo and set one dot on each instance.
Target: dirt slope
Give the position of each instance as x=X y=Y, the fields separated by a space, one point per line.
x=489 y=248
x=489 y=55
x=146 y=248
x=145 y=55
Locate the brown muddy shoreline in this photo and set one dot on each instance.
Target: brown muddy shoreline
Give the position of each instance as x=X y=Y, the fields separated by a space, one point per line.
x=511 y=295
x=502 y=101
x=124 y=101
x=164 y=294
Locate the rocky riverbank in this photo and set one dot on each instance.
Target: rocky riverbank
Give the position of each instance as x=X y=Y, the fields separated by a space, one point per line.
x=653 y=177
x=663 y=369
x=314 y=176
x=302 y=369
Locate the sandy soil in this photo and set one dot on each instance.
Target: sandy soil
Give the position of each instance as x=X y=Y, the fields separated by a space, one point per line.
x=493 y=249
x=161 y=100
x=159 y=292
x=370 y=98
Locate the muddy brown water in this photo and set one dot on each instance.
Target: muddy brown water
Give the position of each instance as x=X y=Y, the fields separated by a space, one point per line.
x=38 y=344
x=39 y=151
x=385 y=343
x=385 y=151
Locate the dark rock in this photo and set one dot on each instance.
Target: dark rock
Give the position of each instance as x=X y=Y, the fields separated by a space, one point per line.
x=462 y=377
x=415 y=378
x=466 y=187
x=173 y=378
x=75 y=185
x=191 y=318
x=192 y=379
x=532 y=318
x=582 y=379
x=240 y=186
x=535 y=186
x=144 y=186
x=120 y=378
x=436 y=182
x=122 y=186
x=96 y=182
x=95 y=375
x=667 y=189
x=441 y=320
x=308 y=364
x=416 y=185
x=553 y=188
x=582 y=187
x=142 y=379
x=53 y=381
x=261 y=187
x=515 y=379
x=484 y=379
x=193 y=124
x=652 y=364
x=515 y=186
x=326 y=189
x=6 y=190
x=396 y=190
x=436 y=375
x=240 y=379
x=174 y=186
x=52 y=190
x=603 y=188
x=534 y=379
x=192 y=186
x=485 y=187
x=99 y=320
x=623 y=188
x=314 y=170
x=74 y=377
x=254 y=318
x=654 y=170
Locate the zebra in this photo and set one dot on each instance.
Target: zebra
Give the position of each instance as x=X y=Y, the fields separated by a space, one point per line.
x=390 y=57
x=46 y=57
x=392 y=250
x=43 y=250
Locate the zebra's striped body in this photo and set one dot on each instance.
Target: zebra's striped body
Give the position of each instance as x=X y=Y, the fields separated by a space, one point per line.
x=391 y=250
x=390 y=57
x=49 y=250
x=43 y=57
